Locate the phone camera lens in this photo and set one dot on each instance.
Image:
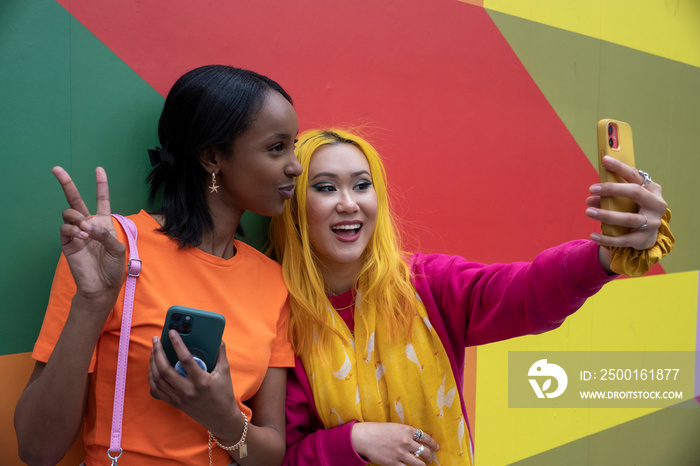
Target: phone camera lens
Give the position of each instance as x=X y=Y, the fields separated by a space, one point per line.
x=176 y=317
x=611 y=142
x=186 y=327
x=172 y=326
x=610 y=130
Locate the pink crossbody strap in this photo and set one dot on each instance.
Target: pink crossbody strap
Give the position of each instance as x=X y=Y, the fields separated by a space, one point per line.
x=133 y=270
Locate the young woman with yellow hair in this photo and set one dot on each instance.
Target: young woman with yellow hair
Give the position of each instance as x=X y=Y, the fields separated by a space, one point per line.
x=380 y=334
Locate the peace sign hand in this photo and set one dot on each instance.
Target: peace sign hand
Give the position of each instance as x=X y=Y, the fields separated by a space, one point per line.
x=95 y=256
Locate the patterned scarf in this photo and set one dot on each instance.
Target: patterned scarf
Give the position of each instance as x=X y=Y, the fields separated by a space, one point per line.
x=411 y=384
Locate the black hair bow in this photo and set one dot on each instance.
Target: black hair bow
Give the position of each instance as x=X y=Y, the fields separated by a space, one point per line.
x=159 y=155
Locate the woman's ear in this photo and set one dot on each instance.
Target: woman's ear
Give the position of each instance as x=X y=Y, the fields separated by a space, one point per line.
x=208 y=158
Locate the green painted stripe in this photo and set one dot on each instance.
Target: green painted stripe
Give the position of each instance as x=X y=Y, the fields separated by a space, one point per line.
x=67 y=100
x=585 y=79
x=34 y=134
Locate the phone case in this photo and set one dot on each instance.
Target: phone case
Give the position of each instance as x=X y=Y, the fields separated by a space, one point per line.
x=200 y=330
x=615 y=140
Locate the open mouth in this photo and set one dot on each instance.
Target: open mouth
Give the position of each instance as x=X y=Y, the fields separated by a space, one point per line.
x=348 y=230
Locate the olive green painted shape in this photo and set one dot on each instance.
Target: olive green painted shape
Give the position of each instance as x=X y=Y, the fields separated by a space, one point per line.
x=666 y=437
x=586 y=79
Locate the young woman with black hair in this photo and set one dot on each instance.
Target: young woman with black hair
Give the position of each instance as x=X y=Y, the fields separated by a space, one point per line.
x=228 y=140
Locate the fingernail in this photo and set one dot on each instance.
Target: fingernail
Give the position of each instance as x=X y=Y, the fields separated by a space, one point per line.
x=591 y=212
x=595 y=237
x=154 y=340
x=595 y=189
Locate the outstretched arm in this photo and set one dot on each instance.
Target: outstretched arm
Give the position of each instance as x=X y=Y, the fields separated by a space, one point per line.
x=50 y=411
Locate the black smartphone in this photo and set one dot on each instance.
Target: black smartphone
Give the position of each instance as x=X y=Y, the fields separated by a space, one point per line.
x=201 y=331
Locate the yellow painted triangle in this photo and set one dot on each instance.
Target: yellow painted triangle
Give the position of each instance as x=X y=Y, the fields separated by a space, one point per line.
x=670 y=29
x=656 y=313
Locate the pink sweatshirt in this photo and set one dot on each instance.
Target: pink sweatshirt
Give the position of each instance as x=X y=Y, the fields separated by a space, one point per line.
x=468 y=304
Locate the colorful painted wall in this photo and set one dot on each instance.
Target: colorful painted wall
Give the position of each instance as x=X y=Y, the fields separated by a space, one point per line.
x=485 y=111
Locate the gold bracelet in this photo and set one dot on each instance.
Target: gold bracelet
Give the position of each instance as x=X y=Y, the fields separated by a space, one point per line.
x=240 y=444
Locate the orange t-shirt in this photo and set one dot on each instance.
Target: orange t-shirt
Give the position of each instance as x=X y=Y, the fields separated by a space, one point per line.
x=247 y=289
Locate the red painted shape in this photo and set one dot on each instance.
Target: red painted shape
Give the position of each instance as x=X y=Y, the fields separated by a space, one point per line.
x=480 y=163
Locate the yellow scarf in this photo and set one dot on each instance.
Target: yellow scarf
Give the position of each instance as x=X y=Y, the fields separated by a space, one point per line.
x=366 y=378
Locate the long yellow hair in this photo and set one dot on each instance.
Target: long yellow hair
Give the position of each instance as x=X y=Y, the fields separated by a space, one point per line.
x=384 y=278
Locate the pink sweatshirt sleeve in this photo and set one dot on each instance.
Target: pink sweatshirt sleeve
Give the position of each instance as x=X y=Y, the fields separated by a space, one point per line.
x=478 y=304
x=483 y=303
x=307 y=440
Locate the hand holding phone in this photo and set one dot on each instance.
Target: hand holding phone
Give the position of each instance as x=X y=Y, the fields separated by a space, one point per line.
x=201 y=331
x=615 y=140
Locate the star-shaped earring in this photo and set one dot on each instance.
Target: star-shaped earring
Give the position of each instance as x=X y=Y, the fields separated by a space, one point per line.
x=214 y=188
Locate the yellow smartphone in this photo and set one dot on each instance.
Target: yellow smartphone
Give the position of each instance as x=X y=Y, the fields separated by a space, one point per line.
x=615 y=140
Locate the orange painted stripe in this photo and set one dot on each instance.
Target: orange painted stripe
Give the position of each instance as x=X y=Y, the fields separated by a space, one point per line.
x=16 y=369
